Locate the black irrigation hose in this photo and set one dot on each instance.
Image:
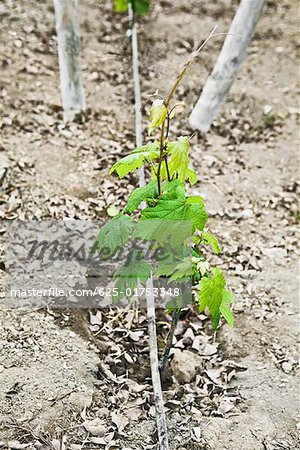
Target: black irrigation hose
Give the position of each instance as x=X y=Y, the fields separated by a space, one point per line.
x=165 y=356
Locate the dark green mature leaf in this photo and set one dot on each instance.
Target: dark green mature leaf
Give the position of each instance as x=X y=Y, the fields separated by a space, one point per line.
x=183 y=300
x=169 y=259
x=176 y=210
x=113 y=235
x=159 y=229
x=136 y=159
x=208 y=238
x=149 y=191
x=173 y=232
x=174 y=190
x=141 y=7
x=128 y=275
x=183 y=270
x=212 y=294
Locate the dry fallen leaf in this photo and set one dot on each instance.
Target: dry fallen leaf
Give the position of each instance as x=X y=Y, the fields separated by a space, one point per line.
x=120 y=421
x=96 y=427
x=16 y=445
x=226 y=405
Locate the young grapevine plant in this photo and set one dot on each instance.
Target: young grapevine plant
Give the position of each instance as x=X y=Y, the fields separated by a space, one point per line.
x=155 y=213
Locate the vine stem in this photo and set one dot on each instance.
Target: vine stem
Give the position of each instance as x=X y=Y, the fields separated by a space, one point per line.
x=167 y=167
x=156 y=381
x=161 y=154
x=166 y=353
x=189 y=62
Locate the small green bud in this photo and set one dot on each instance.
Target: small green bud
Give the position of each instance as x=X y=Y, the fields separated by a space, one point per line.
x=158 y=114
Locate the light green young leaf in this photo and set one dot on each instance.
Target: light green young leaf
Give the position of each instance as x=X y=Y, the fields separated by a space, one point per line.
x=136 y=159
x=203 y=267
x=165 y=268
x=208 y=238
x=211 y=291
x=178 y=163
x=112 y=211
x=191 y=176
x=195 y=199
x=158 y=114
x=149 y=191
x=225 y=309
x=113 y=235
x=121 y=5
x=141 y=7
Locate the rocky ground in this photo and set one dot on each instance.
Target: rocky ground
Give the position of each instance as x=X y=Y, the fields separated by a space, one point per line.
x=81 y=379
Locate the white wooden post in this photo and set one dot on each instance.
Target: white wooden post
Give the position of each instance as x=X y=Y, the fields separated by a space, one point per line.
x=228 y=63
x=67 y=28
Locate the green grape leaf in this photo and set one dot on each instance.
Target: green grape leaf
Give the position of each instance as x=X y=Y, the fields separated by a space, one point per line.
x=128 y=275
x=121 y=5
x=191 y=176
x=178 y=164
x=208 y=238
x=173 y=190
x=163 y=232
x=177 y=209
x=158 y=114
x=168 y=259
x=165 y=268
x=183 y=300
x=141 y=7
x=211 y=290
x=195 y=199
x=113 y=235
x=136 y=159
x=183 y=270
x=225 y=309
x=149 y=191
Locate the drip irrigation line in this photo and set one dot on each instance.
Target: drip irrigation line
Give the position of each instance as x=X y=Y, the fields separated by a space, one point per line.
x=137 y=89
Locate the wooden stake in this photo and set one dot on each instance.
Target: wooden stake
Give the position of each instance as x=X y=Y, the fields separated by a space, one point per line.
x=227 y=66
x=68 y=40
